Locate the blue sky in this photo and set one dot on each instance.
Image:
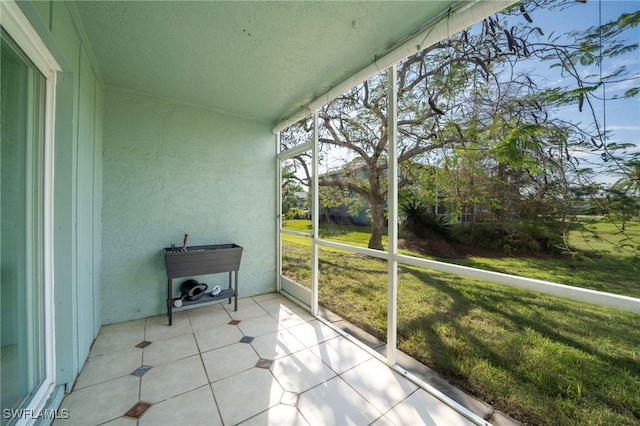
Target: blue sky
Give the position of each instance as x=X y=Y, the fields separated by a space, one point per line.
x=622 y=116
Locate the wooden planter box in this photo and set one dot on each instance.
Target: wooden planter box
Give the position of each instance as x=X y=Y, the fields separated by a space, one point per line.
x=202 y=260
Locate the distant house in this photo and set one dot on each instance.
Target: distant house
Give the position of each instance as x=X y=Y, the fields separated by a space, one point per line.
x=302 y=198
x=340 y=215
x=343 y=213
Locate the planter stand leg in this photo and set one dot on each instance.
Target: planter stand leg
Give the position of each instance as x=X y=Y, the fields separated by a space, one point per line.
x=169 y=302
x=235 y=297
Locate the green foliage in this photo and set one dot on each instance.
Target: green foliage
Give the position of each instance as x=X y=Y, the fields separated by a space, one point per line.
x=478 y=132
x=516 y=147
x=525 y=236
x=419 y=219
x=295 y=213
x=632 y=92
x=629 y=183
x=291 y=184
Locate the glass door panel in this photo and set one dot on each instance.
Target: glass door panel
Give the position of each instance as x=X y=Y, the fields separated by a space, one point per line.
x=296 y=222
x=22 y=97
x=296 y=227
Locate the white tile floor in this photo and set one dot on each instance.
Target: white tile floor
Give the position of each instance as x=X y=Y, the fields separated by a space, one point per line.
x=205 y=371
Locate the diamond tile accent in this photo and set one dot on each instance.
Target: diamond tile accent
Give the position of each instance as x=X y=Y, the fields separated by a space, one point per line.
x=296 y=371
x=264 y=363
x=137 y=410
x=246 y=339
x=141 y=371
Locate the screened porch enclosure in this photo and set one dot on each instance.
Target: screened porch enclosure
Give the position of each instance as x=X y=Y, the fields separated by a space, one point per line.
x=381 y=290
x=160 y=122
x=308 y=259
x=202 y=118
x=199 y=135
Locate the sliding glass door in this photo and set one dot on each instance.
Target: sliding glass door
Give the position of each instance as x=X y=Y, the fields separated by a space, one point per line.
x=296 y=207
x=23 y=364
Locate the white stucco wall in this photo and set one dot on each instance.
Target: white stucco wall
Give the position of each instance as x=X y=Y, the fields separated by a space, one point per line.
x=170 y=169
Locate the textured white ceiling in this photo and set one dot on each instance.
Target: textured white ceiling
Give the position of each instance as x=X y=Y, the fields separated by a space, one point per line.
x=257 y=59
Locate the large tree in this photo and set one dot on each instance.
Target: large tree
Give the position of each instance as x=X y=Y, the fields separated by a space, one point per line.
x=470 y=99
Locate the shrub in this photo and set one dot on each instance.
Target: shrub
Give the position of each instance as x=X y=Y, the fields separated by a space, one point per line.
x=295 y=213
x=420 y=221
x=542 y=236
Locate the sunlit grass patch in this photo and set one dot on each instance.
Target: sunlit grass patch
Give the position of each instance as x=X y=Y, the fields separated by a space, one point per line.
x=541 y=359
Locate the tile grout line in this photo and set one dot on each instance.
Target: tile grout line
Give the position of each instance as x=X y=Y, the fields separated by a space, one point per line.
x=204 y=367
x=274 y=360
x=144 y=339
x=149 y=325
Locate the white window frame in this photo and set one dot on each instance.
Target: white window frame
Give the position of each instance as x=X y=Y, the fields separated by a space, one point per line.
x=308 y=298
x=16 y=24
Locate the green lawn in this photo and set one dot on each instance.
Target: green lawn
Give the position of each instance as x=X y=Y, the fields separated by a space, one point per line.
x=603 y=236
x=542 y=360
x=613 y=270
x=610 y=262
x=353 y=235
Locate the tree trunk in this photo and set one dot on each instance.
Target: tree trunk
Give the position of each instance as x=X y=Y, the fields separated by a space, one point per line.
x=377 y=214
x=377 y=226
